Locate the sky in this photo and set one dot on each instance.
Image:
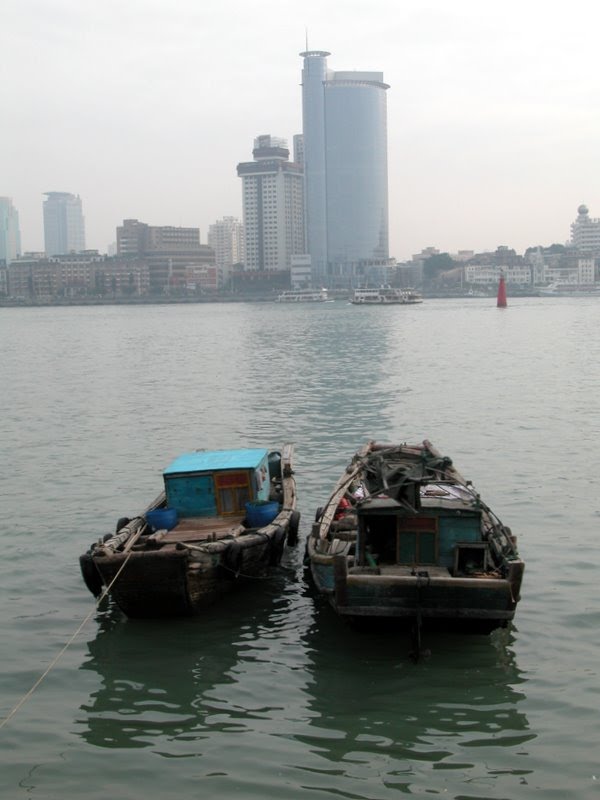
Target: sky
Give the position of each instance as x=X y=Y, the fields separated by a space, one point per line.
x=145 y=107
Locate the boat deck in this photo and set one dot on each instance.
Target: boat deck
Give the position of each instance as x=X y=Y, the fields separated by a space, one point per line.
x=202 y=529
x=406 y=572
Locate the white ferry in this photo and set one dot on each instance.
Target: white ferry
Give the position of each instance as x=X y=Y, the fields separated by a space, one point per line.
x=303 y=296
x=385 y=295
x=557 y=289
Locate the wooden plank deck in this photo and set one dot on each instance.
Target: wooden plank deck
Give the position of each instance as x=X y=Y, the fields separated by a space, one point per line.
x=201 y=529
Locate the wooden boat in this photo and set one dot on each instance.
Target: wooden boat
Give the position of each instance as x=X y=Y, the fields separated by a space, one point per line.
x=404 y=537
x=223 y=515
x=385 y=296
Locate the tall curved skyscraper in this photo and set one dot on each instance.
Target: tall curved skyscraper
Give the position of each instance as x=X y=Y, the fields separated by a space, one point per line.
x=345 y=169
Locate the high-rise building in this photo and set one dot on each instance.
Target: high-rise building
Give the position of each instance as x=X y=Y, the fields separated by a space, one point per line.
x=345 y=168
x=273 y=203
x=64 y=226
x=585 y=231
x=226 y=237
x=10 y=235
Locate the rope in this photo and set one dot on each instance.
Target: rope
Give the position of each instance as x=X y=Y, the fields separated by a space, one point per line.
x=244 y=575
x=70 y=641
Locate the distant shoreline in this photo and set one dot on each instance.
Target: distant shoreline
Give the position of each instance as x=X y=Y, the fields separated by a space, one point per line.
x=253 y=298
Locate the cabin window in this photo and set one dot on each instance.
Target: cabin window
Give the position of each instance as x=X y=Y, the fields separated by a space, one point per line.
x=470 y=558
x=401 y=540
x=417 y=540
x=233 y=492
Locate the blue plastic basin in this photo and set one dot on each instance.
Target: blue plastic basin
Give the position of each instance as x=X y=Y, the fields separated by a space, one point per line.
x=260 y=513
x=162 y=518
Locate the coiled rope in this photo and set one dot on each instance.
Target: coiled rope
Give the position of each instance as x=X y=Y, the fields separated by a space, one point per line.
x=70 y=641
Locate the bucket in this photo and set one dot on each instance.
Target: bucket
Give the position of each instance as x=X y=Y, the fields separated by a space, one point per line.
x=261 y=512
x=162 y=518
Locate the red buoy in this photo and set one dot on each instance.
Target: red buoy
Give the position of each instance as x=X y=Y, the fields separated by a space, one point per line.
x=501 y=303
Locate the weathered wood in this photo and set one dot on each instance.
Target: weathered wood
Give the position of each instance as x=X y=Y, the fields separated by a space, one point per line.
x=340 y=577
x=401 y=561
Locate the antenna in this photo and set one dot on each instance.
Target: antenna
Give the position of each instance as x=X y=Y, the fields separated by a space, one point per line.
x=306 y=38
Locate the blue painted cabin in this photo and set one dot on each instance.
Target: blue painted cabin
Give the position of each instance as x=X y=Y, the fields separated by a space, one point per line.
x=214 y=483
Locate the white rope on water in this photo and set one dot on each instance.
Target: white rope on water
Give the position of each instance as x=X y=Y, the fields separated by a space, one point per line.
x=70 y=641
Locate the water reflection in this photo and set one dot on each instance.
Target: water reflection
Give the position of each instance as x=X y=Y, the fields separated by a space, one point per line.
x=167 y=679
x=305 y=701
x=378 y=716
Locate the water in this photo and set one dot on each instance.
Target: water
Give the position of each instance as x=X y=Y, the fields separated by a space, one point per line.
x=271 y=696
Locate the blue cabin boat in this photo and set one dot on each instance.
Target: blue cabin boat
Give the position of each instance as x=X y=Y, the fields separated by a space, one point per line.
x=223 y=515
x=404 y=537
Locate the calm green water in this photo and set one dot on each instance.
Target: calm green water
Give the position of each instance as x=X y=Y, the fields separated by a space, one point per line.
x=271 y=696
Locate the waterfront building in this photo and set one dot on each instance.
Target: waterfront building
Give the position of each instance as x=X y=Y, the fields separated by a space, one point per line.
x=168 y=250
x=345 y=167
x=489 y=274
x=201 y=279
x=273 y=206
x=64 y=225
x=585 y=231
x=76 y=276
x=301 y=272
x=226 y=237
x=10 y=234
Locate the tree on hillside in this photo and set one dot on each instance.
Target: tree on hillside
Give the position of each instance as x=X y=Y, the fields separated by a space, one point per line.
x=551 y=250
x=435 y=265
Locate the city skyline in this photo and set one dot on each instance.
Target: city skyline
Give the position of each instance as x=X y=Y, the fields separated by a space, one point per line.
x=491 y=115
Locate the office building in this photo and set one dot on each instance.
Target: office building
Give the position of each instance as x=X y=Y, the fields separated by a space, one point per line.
x=10 y=235
x=226 y=237
x=168 y=250
x=345 y=169
x=64 y=227
x=273 y=203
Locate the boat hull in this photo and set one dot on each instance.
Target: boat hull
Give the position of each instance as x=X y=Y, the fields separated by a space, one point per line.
x=184 y=582
x=406 y=597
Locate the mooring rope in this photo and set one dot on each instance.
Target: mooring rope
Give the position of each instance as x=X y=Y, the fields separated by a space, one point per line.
x=57 y=658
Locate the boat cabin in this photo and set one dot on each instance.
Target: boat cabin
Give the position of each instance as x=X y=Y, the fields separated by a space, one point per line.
x=444 y=531
x=217 y=483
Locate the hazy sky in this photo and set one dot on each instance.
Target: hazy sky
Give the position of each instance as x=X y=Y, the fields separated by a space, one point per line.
x=144 y=108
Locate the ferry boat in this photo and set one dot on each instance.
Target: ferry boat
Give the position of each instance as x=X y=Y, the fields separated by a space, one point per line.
x=303 y=296
x=557 y=289
x=385 y=295
x=403 y=536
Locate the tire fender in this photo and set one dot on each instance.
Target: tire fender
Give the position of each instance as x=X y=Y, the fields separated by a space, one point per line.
x=233 y=559
x=293 y=527
x=91 y=576
x=277 y=544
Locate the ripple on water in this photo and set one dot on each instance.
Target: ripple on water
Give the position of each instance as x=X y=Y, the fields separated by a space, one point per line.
x=272 y=696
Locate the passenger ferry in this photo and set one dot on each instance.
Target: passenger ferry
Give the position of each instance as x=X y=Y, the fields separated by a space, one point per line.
x=386 y=295
x=303 y=296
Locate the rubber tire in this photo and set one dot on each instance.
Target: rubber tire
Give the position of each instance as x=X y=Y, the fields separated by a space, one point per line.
x=121 y=522
x=293 y=527
x=233 y=559
x=91 y=576
x=277 y=545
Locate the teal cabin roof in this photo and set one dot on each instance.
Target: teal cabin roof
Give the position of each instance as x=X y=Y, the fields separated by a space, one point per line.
x=214 y=460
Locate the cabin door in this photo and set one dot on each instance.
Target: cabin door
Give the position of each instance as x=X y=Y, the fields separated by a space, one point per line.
x=233 y=491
